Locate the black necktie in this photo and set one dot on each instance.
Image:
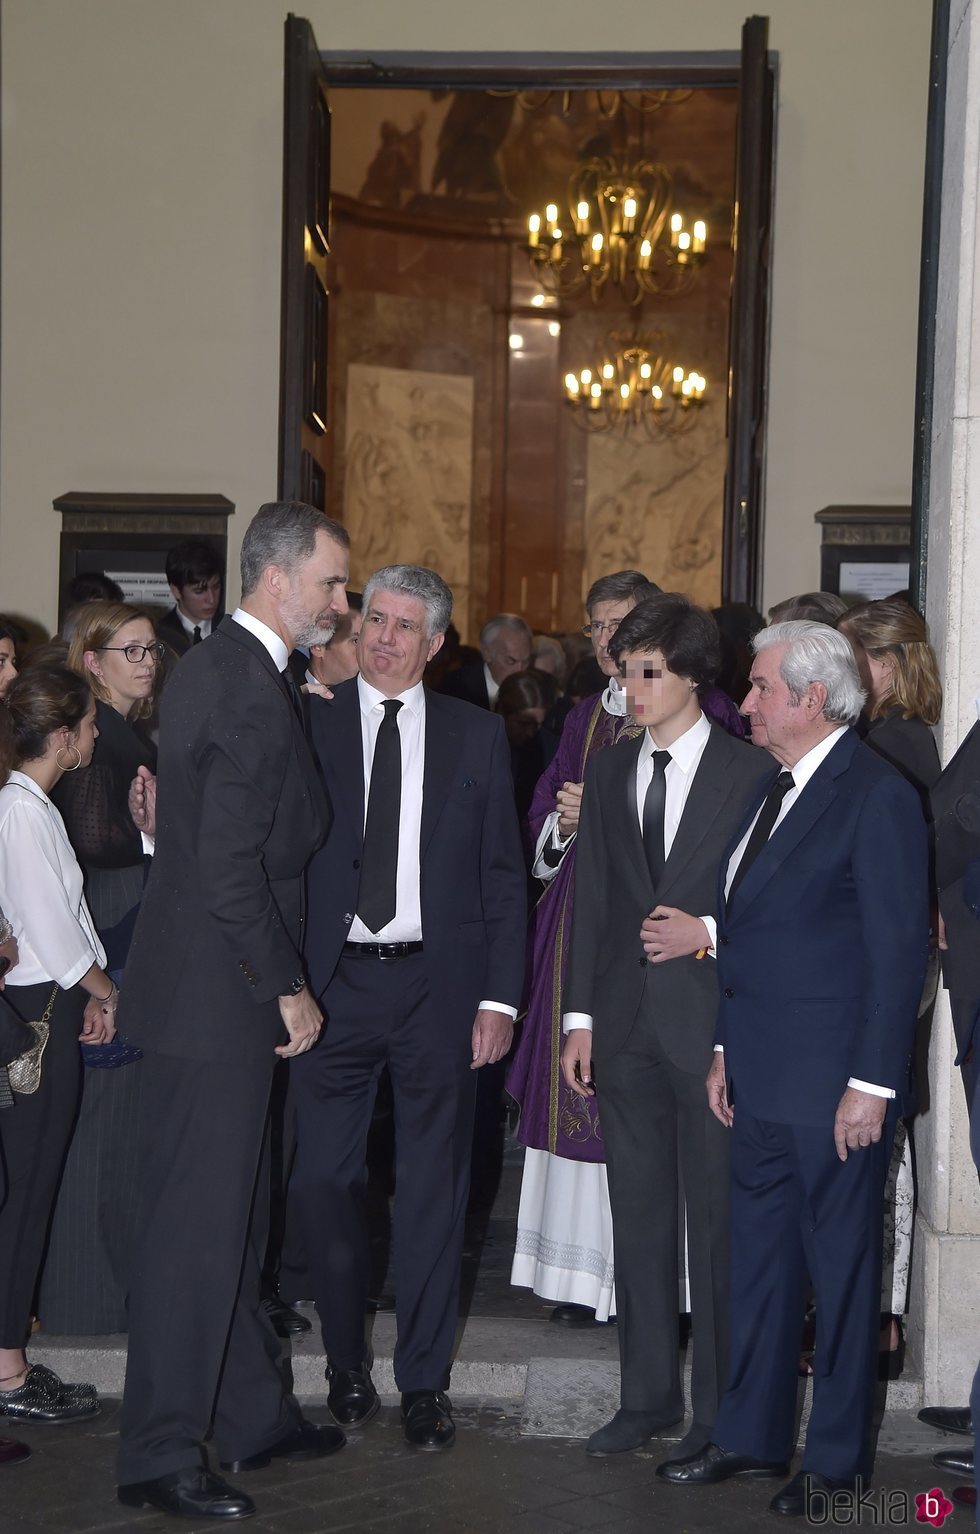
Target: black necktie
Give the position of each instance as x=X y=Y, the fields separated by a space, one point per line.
x=295 y=696
x=653 y=816
x=379 y=860
x=197 y=635
x=762 y=830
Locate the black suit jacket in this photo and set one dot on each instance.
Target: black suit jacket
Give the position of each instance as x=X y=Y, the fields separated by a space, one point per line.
x=173 y=633
x=608 y=975
x=822 y=949
x=474 y=905
x=240 y=810
x=956 y=815
x=468 y=683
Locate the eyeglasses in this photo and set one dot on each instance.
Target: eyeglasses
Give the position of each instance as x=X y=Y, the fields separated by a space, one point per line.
x=598 y=630
x=136 y=653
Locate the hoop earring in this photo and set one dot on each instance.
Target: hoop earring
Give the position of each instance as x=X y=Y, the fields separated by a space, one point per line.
x=75 y=765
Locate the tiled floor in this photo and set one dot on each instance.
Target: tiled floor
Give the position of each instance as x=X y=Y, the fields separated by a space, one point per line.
x=493 y=1480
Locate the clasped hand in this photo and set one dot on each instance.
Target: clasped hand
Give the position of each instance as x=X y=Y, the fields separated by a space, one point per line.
x=670 y=934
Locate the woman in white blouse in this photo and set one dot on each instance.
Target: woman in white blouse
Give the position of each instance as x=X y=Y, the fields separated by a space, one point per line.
x=47 y=728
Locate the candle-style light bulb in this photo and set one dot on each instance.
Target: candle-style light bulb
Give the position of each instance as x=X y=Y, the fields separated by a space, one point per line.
x=683 y=240
x=678 y=375
x=551 y=213
x=533 y=229
x=571 y=383
x=700 y=234
x=608 y=371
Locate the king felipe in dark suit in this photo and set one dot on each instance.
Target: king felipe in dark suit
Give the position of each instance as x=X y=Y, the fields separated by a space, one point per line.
x=822 y=946
x=652 y=1008
x=415 y=946
x=214 y=993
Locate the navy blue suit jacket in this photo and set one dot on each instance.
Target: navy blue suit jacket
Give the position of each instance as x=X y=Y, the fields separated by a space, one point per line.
x=822 y=954
x=472 y=876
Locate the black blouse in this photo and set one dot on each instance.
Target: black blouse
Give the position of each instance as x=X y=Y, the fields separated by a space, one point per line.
x=94 y=801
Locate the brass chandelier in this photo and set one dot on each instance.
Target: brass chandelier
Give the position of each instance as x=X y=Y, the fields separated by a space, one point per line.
x=619 y=227
x=635 y=387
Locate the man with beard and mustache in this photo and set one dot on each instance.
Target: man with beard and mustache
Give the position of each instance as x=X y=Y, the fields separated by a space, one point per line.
x=216 y=993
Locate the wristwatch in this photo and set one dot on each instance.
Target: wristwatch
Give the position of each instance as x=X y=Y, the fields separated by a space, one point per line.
x=298 y=985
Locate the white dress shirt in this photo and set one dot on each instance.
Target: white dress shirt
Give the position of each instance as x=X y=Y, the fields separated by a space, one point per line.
x=266 y=636
x=802 y=773
x=41 y=890
x=685 y=758
x=492 y=687
x=614 y=703
x=406 y=924
x=188 y=624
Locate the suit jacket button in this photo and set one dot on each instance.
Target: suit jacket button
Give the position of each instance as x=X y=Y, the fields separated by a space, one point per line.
x=357 y=862
x=724 y=942
x=729 y=993
x=643 y=963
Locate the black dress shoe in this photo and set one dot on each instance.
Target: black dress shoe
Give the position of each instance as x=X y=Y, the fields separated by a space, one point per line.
x=948 y=1419
x=352 y=1399
x=807 y=1486
x=575 y=1315
x=956 y=1461
x=714 y=1464
x=428 y=1419
x=12 y=1452
x=627 y=1431
x=287 y=1321
x=305 y=1441
x=191 y=1493
x=44 y=1397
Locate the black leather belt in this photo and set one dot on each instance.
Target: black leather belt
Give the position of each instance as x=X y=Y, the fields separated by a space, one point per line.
x=382 y=950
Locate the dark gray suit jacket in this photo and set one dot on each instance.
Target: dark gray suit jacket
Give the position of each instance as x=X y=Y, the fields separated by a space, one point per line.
x=608 y=974
x=240 y=812
x=956 y=816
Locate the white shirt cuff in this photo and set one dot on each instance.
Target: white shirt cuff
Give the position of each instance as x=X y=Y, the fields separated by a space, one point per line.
x=499 y=1006
x=868 y=1086
x=549 y=839
x=572 y=1020
x=149 y=843
x=712 y=927
x=719 y=1049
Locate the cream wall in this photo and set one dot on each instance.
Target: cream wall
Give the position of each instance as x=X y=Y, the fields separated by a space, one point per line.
x=141 y=191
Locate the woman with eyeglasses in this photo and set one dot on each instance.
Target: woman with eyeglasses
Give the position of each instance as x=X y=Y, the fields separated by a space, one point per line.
x=83 y=1289
x=47 y=731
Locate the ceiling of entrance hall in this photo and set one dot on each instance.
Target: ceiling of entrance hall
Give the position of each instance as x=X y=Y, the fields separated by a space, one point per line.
x=485 y=157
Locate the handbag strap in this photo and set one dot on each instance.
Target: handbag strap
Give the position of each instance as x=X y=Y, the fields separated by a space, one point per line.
x=46 y=1015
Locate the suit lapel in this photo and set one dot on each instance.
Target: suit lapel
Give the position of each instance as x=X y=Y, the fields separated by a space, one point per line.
x=336 y=734
x=443 y=744
x=625 y=824
x=814 y=800
x=704 y=801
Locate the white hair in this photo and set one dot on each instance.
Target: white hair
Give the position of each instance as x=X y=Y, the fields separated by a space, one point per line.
x=816 y=653
x=493 y=626
x=414 y=581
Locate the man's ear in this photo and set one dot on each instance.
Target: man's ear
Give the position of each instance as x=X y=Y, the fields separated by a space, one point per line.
x=435 y=645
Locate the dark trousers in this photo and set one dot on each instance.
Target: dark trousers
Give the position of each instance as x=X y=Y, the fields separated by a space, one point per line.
x=797 y=1210
x=34 y=1138
x=658 y=1131
x=201 y=1349
x=381 y=1012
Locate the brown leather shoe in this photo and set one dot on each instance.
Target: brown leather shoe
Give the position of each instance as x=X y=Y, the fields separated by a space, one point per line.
x=12 y=1452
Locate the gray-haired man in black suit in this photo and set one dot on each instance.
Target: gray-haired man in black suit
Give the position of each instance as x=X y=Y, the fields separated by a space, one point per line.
x=215 y=993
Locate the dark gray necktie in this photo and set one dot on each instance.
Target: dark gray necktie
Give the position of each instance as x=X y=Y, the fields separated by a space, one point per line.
x=653 y=816
x=379 y=859
x=762 y=830
x=197 y=635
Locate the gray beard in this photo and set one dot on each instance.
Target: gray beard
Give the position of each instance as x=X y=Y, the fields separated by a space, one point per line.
x=313 y=635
